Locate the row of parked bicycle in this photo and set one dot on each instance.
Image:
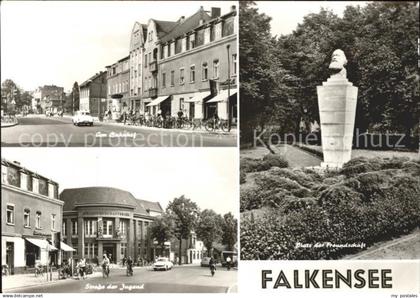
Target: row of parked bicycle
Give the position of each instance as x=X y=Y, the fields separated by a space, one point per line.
x=212 y=124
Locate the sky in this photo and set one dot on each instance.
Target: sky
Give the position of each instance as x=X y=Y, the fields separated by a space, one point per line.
x=208 y=177
x=287 y=14
x=60 y=42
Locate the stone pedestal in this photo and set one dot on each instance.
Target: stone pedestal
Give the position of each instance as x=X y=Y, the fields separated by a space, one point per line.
x=337 y=100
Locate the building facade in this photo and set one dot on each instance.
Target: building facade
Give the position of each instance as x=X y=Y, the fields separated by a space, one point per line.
x=137 y=39
x=93 y=94
x=49 y=98
x=192 y=250
x=31 y=218
x=118 y=77
x=197 y=66
x=104 y=220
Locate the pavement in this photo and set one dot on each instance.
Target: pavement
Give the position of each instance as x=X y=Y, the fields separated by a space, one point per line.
x=181 y=279
x=41 y=131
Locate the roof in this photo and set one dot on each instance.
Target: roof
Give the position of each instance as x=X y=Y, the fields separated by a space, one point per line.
x=163 y=27
x=16 y=164
x=144 y=27
x=97 y=75
x=102 y=196
x=187 y=25
x=152 y=206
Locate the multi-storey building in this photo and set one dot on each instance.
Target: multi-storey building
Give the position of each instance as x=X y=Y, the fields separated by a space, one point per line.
x=30 y=219
x=196 y=66
x=192 y=250
x=104 y=220
x=93 y=93
x=49 y=98
x=137 y=39
x=118 y=76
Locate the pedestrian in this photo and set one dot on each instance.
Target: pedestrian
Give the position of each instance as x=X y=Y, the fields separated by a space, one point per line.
x=212 y=265
x=82 y=267
x=124 y=260
x=105 y=266
x=228 y=260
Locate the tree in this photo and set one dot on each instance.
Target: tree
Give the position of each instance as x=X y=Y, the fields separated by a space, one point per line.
x=230 y=230
x=209 y=228
x=162 y=229
x=10 y=96
x=185 y=213
x=76 y=96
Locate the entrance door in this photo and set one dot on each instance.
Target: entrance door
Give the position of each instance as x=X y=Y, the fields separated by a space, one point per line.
x=109 y=250
x=10 y=256
x=192 y=110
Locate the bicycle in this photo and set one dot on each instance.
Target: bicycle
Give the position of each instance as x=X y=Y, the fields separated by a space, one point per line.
x=213 y=125
x=105 y=271
x=39 y=271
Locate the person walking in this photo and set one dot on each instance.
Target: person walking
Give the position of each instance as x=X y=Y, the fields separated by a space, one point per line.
x=228 y=263
x=212 y=265
x=105 y=266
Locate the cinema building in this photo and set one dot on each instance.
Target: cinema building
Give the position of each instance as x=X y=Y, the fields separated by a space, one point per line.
x=30 y=219
x=105 y=220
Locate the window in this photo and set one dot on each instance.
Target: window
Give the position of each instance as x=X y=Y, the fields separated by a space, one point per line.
x=228 y=27
x=108 y=228
x=3 y=174
x=207 y=35
x=123 y=226
x=26 y=217
x=216 y=68
x=24 y=181
x=90 y=227
x=181 y=76
x=64 y=228
x=181 y=104
x=169 y=49
x=38 y=220
x=199 y=37
x=135 y=73
x=145 y=60
x=192 y=73
x=74 y=227
x=124 y=249
x=205 y=71
x=10 y=214
x=163 y=80
x=51 y=190
x=35 y=185
x=191 y=42
x=234 y=64
x=172 y=77
x=53 y=222
x=91 y=250
x=178 y=46
x=43 y=187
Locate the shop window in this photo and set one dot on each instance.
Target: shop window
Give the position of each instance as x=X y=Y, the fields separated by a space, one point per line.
x=10 y=214
x=26 y=218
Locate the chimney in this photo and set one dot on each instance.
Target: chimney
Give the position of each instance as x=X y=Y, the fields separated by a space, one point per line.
x=215 y=12
x=233 y=8
x=181 y=19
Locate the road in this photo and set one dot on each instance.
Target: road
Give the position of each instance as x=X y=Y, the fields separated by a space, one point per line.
x=184 y=279
x=60 y=132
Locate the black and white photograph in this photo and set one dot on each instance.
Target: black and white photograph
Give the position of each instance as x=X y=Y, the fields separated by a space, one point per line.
x=119 y=73
x=329 y=117
x=115 y=221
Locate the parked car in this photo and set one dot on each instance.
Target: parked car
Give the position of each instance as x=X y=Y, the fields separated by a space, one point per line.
x=162 y=264
x=205 y=262
x=82 y=117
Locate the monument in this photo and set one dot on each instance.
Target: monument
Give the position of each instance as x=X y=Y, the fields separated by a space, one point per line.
x=337 y=99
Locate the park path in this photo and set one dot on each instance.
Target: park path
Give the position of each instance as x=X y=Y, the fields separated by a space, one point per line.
x=296 y=157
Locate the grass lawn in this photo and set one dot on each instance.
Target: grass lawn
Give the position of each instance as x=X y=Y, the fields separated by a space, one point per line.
x=404 y=247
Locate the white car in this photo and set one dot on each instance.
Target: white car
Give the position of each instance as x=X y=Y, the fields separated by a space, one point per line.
x=162 y=264
x=82 y=117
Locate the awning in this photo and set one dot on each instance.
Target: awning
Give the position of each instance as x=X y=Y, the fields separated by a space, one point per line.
x=158 y=100
x=198 y=97
x=41 y=243
x=222 y=96
x=66 y=247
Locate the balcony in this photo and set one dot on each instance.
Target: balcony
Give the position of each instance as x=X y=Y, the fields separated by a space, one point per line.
x=153 y=92
x=153 y=66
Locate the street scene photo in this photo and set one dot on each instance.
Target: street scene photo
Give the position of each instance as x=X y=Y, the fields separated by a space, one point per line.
x=329 y=120
x=114 y=221
x=121 y=74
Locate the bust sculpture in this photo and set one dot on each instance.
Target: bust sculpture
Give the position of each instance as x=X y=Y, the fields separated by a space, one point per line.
x=338 y=61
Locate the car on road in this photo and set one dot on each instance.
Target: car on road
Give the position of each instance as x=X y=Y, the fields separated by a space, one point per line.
x=82 y=117
x=162 y=264
x=205 y=262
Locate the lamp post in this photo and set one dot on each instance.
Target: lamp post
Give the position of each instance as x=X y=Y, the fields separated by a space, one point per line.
x=228 y=101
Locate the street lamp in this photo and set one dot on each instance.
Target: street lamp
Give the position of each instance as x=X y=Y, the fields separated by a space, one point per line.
x=228 y=103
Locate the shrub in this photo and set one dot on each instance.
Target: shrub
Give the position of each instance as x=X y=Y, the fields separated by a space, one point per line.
x=250 y=198
x=242 y=177
x=249 y=165
x=275 y=160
